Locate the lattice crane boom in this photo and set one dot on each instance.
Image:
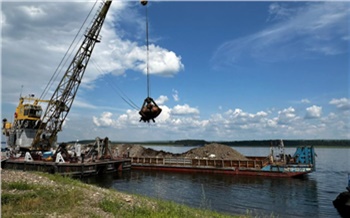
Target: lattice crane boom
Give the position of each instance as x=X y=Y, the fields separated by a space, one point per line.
x=63 y=97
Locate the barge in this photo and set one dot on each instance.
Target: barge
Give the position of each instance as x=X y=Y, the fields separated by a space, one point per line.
x=301 y=163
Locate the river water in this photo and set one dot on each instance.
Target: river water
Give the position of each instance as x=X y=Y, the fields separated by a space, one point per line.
x=310 y=196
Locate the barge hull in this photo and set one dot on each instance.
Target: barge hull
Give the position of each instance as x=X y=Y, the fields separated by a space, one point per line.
x=244 y=172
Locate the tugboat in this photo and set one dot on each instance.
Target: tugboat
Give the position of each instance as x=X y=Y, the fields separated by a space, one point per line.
x=342 y=202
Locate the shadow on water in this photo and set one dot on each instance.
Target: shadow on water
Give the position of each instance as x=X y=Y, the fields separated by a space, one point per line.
x=106 y=180
x=262 y=196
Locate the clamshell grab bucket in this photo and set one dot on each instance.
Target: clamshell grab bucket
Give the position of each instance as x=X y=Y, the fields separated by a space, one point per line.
x=149 y=110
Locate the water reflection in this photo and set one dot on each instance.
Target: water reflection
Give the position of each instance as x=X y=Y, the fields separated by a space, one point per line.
x=229 y=194
x=311 y=196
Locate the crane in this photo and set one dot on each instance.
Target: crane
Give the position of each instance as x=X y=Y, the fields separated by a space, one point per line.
x=42 y=134
x=63 y=97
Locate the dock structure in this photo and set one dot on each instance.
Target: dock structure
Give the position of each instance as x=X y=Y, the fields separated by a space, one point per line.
x=69 y=169
x=94 y=159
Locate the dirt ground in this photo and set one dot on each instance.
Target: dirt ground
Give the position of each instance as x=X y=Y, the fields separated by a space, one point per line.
x=209 y=151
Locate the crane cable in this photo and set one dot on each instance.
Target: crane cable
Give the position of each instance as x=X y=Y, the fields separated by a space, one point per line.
x=56 y=73
x=150 y=109
x=147 y=44
x=115 y=87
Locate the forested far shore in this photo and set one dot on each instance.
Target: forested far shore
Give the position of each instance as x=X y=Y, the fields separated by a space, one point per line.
x=262 y=143
x=292 y=143
x=258 y=143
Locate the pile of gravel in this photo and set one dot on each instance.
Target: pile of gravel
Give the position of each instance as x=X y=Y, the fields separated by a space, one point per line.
x=215 y=151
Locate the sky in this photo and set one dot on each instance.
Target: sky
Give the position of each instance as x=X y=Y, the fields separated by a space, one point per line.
x=220 y=71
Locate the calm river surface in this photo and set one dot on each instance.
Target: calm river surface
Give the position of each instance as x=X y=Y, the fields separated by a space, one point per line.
x=311 y=196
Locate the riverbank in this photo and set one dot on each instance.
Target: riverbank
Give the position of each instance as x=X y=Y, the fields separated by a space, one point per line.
x=33 y=194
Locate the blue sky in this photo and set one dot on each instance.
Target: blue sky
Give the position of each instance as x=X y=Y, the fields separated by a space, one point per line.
x=219 y=70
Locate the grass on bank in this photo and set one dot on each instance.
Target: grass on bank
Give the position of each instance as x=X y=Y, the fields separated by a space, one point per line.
x=61 y=196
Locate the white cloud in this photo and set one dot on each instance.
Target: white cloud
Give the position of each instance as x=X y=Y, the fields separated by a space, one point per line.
x=33 y=11
x=176 y=95
x=161 y=100
x=313 y=112
x=342 y=103
x=278 y=11
x=313 y=29
x=305 y=100
x=120 y=55
x=287 y=115
x=184 y=109
x=105 y=120
x=164 y=115
x=78 y=102
x=161 y=62
x=237 y=120
x=238 y=116
x=36 y=35
x=234 y=124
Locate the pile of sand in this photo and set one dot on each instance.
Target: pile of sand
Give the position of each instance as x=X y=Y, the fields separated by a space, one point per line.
x=125 y=150
x=209 y=151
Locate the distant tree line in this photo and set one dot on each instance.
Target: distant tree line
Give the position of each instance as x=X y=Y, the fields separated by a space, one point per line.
x=291 y=143
x=258 y=143
x=191 y=142
x=262 y=143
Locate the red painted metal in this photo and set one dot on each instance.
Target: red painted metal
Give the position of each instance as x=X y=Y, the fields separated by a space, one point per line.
x=253 y=166
x=236 y=171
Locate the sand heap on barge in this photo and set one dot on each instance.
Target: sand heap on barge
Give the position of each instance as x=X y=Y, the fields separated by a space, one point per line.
x=218 y=158
x=213 y=150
